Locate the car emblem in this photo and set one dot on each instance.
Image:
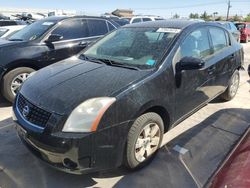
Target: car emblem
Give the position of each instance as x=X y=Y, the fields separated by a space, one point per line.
x=26 y=111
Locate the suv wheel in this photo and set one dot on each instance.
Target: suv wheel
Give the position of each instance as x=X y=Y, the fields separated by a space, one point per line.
x=13 y=80
x=233 y=86
x=144 y=139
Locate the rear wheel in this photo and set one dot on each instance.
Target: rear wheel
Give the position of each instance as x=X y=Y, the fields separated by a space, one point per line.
x=13 y=80
x=233 y=86
x=144 y=139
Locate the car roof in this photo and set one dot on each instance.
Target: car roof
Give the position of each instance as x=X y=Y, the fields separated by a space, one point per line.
x=172 y=23
x=60 y=18
x=13 y=26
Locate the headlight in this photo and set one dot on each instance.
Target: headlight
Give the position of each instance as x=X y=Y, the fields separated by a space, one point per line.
x=86 y=117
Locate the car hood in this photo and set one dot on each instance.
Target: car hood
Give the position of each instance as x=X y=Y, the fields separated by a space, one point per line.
x=4 y=42
x=61 y=87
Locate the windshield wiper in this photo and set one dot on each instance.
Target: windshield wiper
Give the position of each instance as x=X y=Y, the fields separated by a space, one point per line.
x=118 y=64
x=92 y=59
x=15 y=39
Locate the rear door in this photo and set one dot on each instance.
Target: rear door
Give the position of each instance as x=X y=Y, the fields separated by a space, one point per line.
x=223 y=56
x=196 y=86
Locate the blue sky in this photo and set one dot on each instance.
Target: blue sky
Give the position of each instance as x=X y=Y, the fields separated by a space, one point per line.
x=164 y=8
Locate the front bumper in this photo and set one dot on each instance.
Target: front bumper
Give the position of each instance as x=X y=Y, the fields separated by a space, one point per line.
x=78 y=153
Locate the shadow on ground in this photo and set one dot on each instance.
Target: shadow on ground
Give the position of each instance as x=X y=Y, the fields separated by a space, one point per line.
x=208 y=143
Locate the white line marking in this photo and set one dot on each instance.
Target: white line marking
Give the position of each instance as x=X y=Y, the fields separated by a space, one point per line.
x=5 y=126
x=180 y=149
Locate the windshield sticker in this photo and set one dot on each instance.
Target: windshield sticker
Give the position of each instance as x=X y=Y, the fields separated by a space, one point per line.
x=150 y=62
x=168 y=30
x=48 y=23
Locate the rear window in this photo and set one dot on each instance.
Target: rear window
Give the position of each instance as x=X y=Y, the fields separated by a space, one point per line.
x=146 y=19
x=219 y=39
x=240 y=26
x=136 y=20
x=97 y=27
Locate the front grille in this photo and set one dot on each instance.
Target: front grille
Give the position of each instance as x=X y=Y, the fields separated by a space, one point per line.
x=33 y=114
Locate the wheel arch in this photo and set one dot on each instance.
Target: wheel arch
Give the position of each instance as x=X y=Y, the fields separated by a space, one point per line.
x=21 y=63
x=160 y=110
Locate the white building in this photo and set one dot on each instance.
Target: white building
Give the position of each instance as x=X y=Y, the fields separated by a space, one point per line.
x=35 y=13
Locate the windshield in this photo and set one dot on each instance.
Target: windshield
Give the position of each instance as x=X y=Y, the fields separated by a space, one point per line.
x=33 y=31
x=240 y=26
x=3 y=31
x=140 y=47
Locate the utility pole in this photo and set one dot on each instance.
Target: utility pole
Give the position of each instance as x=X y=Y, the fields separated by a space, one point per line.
x=228 y=8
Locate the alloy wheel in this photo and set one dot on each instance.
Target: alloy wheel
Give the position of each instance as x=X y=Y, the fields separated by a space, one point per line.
x=147 y=142
x=18 y=81
x=234 y=84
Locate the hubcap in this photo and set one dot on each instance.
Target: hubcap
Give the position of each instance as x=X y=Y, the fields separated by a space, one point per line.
x=147 y=142
x=234 y=84
x=17 y=82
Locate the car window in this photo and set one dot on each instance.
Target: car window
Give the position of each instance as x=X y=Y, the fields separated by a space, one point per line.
x=7 y=23
x=3 y=31
x=72 y=29
x=240 y=26
x=97 y=27
x=195 y=44
x=136 y=20
x=218 y=37
x=233 y=27
x=248 y=26
x=110 y=26
x=146 y=19
x=226 y=25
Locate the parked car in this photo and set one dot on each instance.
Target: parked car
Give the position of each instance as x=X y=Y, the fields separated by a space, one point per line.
x=232 y=28
x=120 y=21
x=7 y=31
x=113 y=103
x=244 y=28
x=138 y=19
x=43 y=43
x=11 y=22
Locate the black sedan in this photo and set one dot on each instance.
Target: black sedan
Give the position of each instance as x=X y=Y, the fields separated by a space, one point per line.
x=112 y=104
x=43 y=43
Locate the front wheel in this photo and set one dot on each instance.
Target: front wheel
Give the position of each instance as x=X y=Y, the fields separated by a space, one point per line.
x=144 y=139
x=13 y=80
x=233 y=87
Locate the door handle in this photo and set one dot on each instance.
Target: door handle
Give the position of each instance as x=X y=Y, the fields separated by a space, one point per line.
x=84 y=43
x=211 y=70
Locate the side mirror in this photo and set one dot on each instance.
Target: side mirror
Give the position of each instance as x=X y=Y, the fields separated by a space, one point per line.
x=54 y=38
x=190 y=63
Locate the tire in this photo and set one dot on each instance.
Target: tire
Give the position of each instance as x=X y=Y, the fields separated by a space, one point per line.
x=232 y=88
x=151 y=143
x=19 y=75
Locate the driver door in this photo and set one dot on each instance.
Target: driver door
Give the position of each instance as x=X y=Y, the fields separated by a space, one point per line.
x=195 y=86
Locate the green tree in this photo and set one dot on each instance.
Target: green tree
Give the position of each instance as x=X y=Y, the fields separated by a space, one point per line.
x=193 y=16
x=205 y=16
x=176 y=16
x=196 y=15
x=247 y=19
x=218 y=19
x=236 y=18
